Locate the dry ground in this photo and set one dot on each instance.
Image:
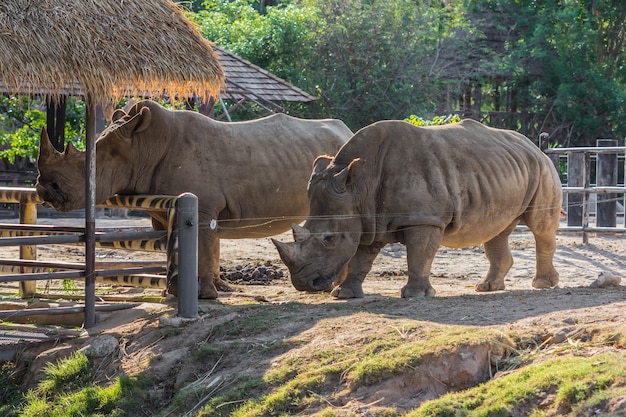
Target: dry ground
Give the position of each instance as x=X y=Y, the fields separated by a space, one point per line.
x=319 y=320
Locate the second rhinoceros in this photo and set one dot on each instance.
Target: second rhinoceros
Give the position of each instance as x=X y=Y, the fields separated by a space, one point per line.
x=456 y=185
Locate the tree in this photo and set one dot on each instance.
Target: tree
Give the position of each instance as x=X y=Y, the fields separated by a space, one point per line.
x=21 y=121
x=373 y=59
x=565 y=60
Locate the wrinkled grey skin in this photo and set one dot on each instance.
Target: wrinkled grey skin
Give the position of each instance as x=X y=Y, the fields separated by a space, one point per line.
x=250 y=176
x=457 y=185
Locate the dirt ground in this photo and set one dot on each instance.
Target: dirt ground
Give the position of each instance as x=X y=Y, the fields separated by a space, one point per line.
x=538 y=314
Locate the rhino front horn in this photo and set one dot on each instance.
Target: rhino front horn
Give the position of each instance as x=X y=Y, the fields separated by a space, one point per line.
x=287 y=252
x=46 y=149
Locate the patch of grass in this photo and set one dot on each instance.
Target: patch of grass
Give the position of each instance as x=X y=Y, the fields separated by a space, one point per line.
x=224 y=404
x=391 y=359
x=298 y=382
x=10 y=394
x=256 y=319
x=577 y=383
x=66 y=389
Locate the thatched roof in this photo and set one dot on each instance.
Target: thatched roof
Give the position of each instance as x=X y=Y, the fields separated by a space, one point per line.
x=244 y=80
x=108 y=48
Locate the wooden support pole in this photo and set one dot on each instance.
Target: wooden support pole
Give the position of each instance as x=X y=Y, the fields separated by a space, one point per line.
x=28 y=215
x=606 y=174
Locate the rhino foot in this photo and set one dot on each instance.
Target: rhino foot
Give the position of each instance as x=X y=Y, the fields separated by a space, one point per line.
x=222 y=285
x=545 y=281
x=486 y=286
x=208 y=290
x=410 y=292
x=346 y=292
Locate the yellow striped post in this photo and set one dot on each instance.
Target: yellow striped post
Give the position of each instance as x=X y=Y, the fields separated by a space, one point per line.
x=28 y=215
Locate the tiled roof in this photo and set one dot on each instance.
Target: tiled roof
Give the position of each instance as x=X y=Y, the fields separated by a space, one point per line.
x=244 y=80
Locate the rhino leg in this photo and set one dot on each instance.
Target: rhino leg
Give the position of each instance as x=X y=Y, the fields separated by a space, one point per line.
x=358 y=267
x=543 y=223
x=208 y=263
x=546 y=276
x=500 y=261
x=422 y=244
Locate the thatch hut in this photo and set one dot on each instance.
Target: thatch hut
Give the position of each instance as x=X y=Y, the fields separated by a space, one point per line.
x=102 y=49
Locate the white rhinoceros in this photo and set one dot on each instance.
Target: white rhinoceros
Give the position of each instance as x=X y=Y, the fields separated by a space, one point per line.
x=456 y=185
x=249 y=176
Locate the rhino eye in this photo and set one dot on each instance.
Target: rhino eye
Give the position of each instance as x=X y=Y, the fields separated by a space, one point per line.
x=329 y=239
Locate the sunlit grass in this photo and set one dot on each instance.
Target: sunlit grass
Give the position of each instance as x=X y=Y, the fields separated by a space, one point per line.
x=576 y=383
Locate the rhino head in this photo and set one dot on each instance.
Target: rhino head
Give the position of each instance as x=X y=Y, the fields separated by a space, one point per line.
x=61 y=180
x=329 y=238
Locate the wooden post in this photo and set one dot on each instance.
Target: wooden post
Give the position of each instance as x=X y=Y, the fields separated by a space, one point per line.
x=606 y=210
x=28 y=215
x=575 y=170
x=90 y=212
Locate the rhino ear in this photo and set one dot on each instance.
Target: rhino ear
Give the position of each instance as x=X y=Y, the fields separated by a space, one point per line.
x=346 y=175
x=321 y=163
x=138 y=123
x=46 y=150
x=117 y=114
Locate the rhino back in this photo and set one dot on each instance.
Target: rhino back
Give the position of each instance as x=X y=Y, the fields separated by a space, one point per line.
x=250 y=172
x=467 y=178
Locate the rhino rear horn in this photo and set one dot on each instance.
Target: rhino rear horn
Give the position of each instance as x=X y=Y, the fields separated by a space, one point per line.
x=70 y=150
x=300 y=233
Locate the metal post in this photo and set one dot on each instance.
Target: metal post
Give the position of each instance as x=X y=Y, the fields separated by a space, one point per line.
x=28 y=215
x=90 y=212
x=586 y=175
x=606 y=175
x=187 y=225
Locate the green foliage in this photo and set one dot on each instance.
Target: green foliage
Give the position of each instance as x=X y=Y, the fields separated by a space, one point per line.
x=21 y=121
x=435 y=121
x=273 y=40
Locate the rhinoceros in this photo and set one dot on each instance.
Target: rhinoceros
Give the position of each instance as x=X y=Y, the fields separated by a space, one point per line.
x=250 y=177
x=455 y=185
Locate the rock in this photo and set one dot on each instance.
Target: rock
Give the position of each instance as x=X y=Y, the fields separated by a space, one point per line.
x=606 y=279
x=99 y=346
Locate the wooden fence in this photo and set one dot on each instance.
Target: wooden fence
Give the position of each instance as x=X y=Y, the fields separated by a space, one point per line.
x=182 y=215
x=592 y=171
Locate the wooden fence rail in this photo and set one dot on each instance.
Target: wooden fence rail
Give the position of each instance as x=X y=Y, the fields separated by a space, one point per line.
x=182 y=216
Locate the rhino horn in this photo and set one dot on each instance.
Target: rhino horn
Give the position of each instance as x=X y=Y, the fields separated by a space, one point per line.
x=46 y=150
x=300 y=233
x=70 y=150
x=287 y=252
